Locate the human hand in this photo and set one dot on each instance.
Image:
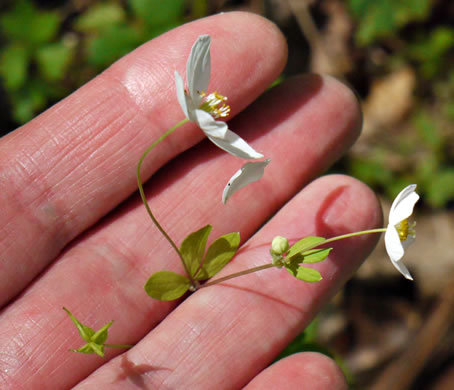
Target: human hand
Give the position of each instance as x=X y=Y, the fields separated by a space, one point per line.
x=66 y=243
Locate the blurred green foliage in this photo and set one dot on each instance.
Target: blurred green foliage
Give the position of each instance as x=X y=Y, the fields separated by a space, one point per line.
x=49 y=53
x=381 y=18
x=422 y=152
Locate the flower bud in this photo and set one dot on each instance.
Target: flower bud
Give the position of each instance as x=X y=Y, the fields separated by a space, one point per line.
x=279 y=245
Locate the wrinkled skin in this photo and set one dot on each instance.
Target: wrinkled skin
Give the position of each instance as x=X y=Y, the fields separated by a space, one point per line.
x=75 y=234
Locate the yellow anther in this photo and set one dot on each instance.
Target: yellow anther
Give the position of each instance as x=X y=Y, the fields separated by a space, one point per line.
x=213 y=104
x=405 y=229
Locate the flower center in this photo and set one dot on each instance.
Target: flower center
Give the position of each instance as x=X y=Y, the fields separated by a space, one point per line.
x=214 y=105
x=406 y=229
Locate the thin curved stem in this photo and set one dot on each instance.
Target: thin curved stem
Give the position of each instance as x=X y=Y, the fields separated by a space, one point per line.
x=144 y=199
x=348 y=235
x=235 y=275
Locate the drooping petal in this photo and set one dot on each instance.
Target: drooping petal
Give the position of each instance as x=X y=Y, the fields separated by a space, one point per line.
x=403 y=205
x=222 y=137
x=393 y=244
x=198 y=68
x=209 y=125
x=400 y=266
x=250 y=172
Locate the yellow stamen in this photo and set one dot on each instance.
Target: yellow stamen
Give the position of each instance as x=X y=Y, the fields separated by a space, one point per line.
x=405 y=229
x=213 y=104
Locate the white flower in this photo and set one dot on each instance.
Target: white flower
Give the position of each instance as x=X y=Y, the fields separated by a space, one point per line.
x=399 y=233
x=204 y=109
x=249 y=172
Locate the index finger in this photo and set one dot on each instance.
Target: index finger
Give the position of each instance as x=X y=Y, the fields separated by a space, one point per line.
x=67 y=168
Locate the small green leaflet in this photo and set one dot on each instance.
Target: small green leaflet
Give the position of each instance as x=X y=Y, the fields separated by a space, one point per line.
x=219 y=253
x=303 y=273
x=315 y=255
x=167 y=286
x=193 y=247
x=304 y=244
x=95 y=340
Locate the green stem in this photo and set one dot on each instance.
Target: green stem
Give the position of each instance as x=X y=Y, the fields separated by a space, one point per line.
x=270 y=265
x=248 y=271
x=348 y=235
x=119 y=345
x=144 y=199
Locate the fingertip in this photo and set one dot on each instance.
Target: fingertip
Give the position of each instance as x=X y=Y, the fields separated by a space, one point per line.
x=348 y=205
x=342 y=96
x=307 y=370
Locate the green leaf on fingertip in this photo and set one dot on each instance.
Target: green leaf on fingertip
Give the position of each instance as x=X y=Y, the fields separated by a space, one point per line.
x=308 y=274
x=167 y=286
x=315 y=255
x=302 y=245
x=193 y=247
x=303 y=273
x=95 y=340
x=218 y=255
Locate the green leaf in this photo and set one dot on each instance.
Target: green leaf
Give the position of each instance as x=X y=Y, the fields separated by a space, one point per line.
x=112 y=43
x=84 y=331
x=316 y=255
x=219 y=254
x=167 y=286
x=84 y=349
x=308 y=274
x=100 y=337
x=54 y=60
x=381 y=18
x=14 y=62
x=193 y=247
x=24 y=23
x=95 y=341
x=293 y=265
x=97 y=348
x=158 y=12
x=99 y=16
x=304 y=244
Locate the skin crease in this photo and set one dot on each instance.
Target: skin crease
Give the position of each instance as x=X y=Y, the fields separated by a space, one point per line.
x=77 y=163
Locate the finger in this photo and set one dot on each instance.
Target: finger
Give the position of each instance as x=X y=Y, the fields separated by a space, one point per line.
x=101 y=277
x=67 y=168
x=223 y=336
x=302 y=371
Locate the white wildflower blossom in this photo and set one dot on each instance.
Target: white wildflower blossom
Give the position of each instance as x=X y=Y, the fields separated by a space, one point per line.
x=400 y=233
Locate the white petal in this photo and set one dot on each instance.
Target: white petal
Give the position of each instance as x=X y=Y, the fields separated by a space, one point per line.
x=400 y=266
x=408 y=242
x=209 y=125
x=403 y=205
x=222 y=137
x=185 y=101
x=198 y=68
x=181 y=96
x=393 y=244
x=250 y=172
